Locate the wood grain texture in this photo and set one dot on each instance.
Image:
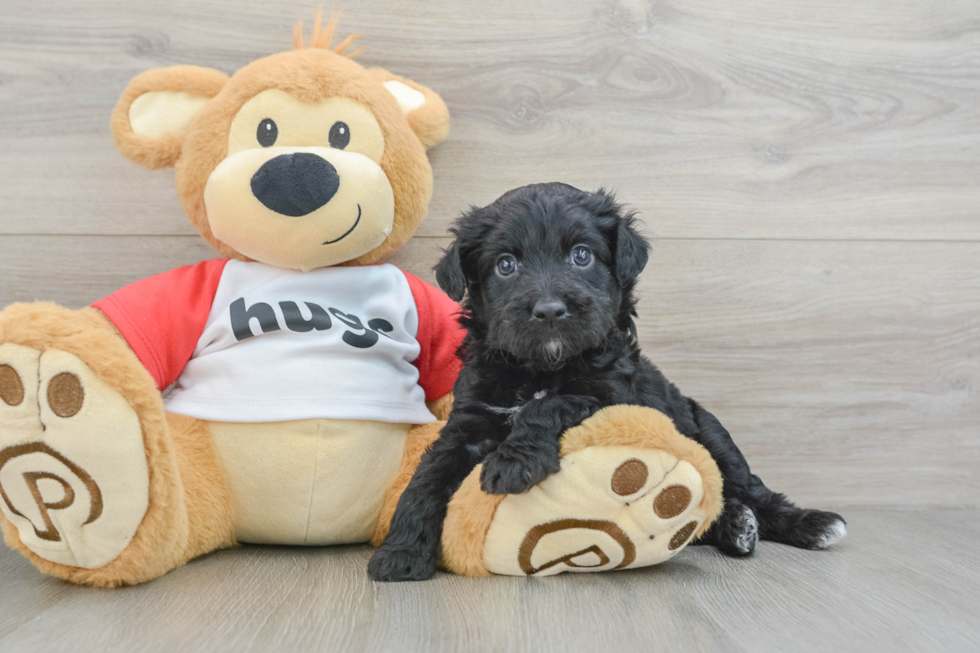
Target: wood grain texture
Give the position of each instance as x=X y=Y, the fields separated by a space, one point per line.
x=901 y=581
x=757 y=119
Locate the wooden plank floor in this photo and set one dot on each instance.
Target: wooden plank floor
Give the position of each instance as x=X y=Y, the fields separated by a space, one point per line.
x=901 y=581
x=809 y=174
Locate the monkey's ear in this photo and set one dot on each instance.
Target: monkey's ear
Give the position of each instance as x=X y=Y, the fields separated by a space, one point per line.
x=449 y=273
x=426 y=112
x=152 y=116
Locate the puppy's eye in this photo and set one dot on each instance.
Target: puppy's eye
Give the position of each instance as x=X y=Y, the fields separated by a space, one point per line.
x=339 y=135
x=506 y=265
x=581 y=256
x=267 y=133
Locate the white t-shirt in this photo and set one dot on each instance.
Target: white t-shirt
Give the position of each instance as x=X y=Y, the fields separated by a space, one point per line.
x=366 y=343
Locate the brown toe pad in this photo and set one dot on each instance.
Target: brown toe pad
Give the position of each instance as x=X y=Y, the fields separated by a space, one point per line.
x=681 y=536
x=11 y=387
x=65 y=394
x=630 y=477
x=672 y=501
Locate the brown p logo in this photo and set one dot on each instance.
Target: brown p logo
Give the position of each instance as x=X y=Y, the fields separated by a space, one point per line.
x=31 y=479
x=605 y=530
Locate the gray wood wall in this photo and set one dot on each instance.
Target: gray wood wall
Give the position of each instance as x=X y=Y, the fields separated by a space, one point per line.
x=807 y=171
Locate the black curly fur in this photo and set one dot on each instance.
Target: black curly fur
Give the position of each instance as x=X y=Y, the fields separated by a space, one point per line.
x=519 y=391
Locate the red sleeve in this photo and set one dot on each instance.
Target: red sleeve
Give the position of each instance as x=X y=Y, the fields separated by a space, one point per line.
x=439 y=335
x=163 y=317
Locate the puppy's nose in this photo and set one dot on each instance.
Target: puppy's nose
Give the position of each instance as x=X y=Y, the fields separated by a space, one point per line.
x=549 y=311
x=295 y=184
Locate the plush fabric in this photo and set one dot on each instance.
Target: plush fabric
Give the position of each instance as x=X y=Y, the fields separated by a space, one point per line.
x=169 y=308
x=159 y=113
x=161 y=150
x=78 y=489
x=310 y=76
x=308 y=482
x=207 y=495
x=183 y=116
x=161 y=539
x=632 y=426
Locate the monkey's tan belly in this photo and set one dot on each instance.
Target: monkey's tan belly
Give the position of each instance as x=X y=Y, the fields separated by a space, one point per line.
x=311 y=482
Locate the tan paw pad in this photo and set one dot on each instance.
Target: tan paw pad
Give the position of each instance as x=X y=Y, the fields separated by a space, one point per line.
x=73 y=474
x=580 y=544
x=608 y=508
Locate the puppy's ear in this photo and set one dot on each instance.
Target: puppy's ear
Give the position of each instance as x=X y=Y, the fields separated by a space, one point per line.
x=449 y=273
x=632 y=250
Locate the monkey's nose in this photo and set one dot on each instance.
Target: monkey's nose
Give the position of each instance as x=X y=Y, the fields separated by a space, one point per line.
x=549 y=311
x=295 y=184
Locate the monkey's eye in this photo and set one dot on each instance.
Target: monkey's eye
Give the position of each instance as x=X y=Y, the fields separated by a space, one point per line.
x=581 y=256
x=267 y=133
x=506 y=265
x=339 y=135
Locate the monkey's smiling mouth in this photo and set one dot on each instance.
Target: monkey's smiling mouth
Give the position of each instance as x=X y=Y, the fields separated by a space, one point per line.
x=348 y=232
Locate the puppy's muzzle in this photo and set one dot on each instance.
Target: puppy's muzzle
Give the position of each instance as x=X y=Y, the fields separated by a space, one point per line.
x=295 y=184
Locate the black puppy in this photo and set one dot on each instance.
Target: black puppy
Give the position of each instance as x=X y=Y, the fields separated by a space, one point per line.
x=548 y=273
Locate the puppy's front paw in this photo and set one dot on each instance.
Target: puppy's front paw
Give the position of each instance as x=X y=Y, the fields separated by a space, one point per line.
x=506 y=473
x=390 y=564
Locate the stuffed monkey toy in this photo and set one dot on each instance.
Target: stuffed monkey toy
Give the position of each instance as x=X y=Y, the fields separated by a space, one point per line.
x=284 y=392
